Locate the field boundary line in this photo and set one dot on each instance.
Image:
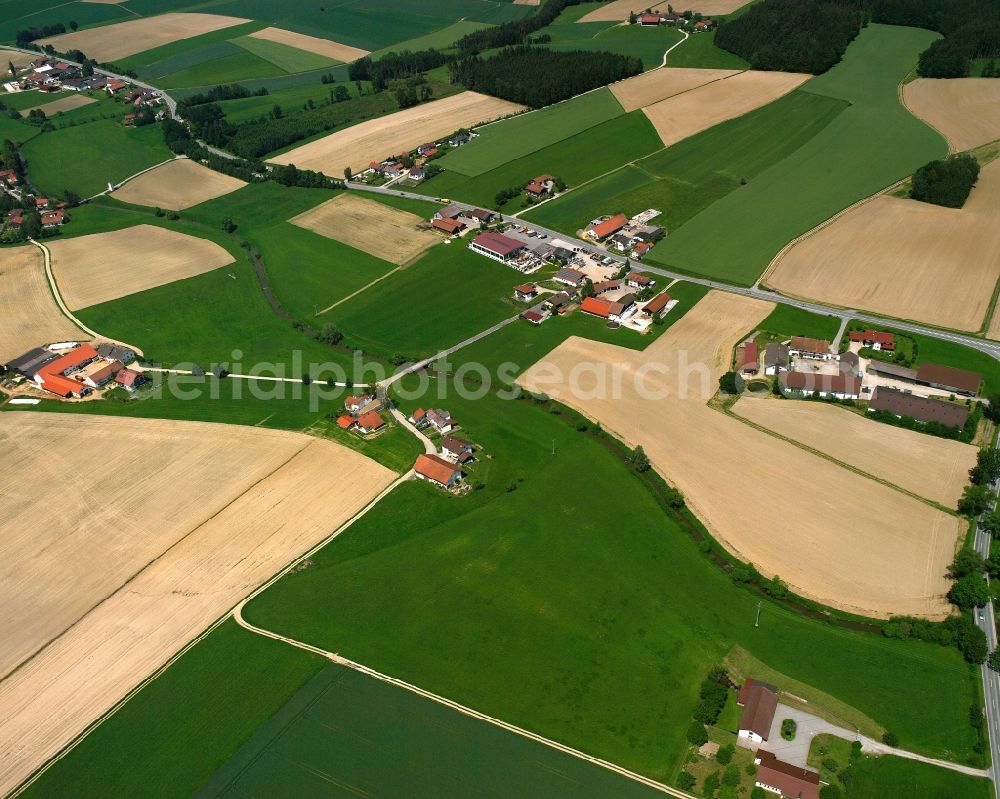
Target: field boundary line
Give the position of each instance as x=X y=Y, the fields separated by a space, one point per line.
x=54 y=288
x=365 y=287
x=138 y=174
x=72 y=744
x=451 y=704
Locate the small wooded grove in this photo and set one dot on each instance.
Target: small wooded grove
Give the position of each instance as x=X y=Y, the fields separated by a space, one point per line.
x=792 y=35
x=946 y=182
x=811 y=35
x=536 y=77
x=510 y=33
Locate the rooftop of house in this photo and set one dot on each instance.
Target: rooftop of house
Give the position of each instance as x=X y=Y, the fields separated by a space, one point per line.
x=435 y=467
x=760 y=701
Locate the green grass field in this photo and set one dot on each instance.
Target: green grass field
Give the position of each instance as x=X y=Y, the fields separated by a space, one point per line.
x=185 y=52
x=182 y=726
x=700 y=52
x=579 y=158
x=287 y=59
x=647 y=44
x=448 y=295
x=510 y=139
x=876 y=136
x=17 y=16
x=342 y=729
x=895 y=778
x=295 y=97
x=787 y=321
x=441 y=39
x=688 y=177
x=533 y=599
x=231 y=68
x=84 y=158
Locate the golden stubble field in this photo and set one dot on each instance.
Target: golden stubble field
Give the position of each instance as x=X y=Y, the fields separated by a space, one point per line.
x=891 y=453
x=835 y=536
x=126 y=538
x=106 y=266
x=659 y=84
x=29 y=316
x=369 y=226
x=903 y=258
x=966 y=111
x=312 y=44
x=177 y=185
x=122 y=39
x=618 y=10
x=698 y=109
x=377 y=139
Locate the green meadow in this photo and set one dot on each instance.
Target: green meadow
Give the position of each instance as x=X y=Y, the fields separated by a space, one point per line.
x=647 y=44
x=868 y=146
x=895 y=778
x=699 y=51
x=286 y=58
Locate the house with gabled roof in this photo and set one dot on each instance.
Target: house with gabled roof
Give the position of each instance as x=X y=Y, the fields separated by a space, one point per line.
x=435 y=469
x=759 y=701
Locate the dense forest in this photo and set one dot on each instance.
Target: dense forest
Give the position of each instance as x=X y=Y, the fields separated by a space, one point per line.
x=394 y=66
x=971 y=30
x=946 y=182
x=792 y=35
x=511 y=33
x=537 y=77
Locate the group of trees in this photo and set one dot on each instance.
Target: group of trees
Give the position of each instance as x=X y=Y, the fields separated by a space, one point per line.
x=511 y=33
x=711 y=699
x=28 y=35
x=227 y=91
x=537 y=77
x=946 y=182
x=977 y=496
x=792 y=35
x=394 y=66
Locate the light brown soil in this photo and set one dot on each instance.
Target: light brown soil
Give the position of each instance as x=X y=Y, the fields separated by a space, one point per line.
x=618 y=10
x=904 y=258
x=29 y=316
x=372 y=227
x=833 y=535
x=890 y=453
x=685 y=114
x=966 y=111
x=312 y=44
x=122 y=39
x=377 y=139
x=105 y=266
x=62 y=104
x=659 y=84
x=132 y=537
x=177 y=185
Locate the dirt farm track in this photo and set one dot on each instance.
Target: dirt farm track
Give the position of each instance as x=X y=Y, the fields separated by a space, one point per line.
x=834 y=535
x=126 y=538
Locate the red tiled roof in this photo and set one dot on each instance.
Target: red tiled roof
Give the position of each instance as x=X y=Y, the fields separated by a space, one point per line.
x=806 y=344
x=532 y=316
x=646 y=19
x=886 y=340
x=60 y=385
x=435 y=468
x=418 y=414
x=596 y=306
x=609 y=226
x=526 y=288
x=750 y=355
x=127 y=377
x=53 y=217
x=960 y=379
x=497 y=243
x=447 y=225
x=371 y=421
x=658 y=303
x=74 y=357
x=759 y=706
x=535 y=188
x=790 y=780
x=345 y=422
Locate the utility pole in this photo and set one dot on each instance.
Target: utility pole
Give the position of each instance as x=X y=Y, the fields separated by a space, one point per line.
x=553 y=446
x=756 y=622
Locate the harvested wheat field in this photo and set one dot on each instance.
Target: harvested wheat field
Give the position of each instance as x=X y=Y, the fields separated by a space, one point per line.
x=372 y=227
x=659 y=84
x=904 y=258
x=132 y=537
x=177 y=185
x=889 y=453
x=122 y=39
x=966 y=111
x=696 y=110
x=835 y=536
x=62 y=104
x=105 y=266
x=377 y=139
x=618 y=10
x=29 y=316
x=312 y=44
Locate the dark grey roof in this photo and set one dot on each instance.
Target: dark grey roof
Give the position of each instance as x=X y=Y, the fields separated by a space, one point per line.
x=776 y=355
x=114 y=352
x=922 y=409
x=562 y=254
x=33 y=360
x=892 y=370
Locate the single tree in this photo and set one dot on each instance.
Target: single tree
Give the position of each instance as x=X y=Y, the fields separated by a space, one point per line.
x=11 y=69
x=639 y=459
x=74 y=24
x=348 y=174
x=975 y=499
x=967 y=561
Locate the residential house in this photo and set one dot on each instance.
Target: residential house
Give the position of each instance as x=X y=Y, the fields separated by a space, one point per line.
x=356 y=403
x=535 y=189
x=750 y=356
x=449 y=226
x=562 y=256
x=658 y=305
x=418 y=418
x=8 y=177
x=525 y=292
x=637 y=280
x=441 y=420
x=41 y=203
x=53 y=218
x=129 y=379
x=784 y=779
x=458 y=140
x=497 y=246
x=417 y=173
x=649 y=19
x=805 y=347
x=457 y=449
x=647 y=233
x=703 y=25
x=759 y=701
x=425 y=149
x=610 y=226
x=642 y=248
x=876 y=339
x=556 y=302
x=948 y=378
x=570 y=277
x=595 y=306
x=482 y=216
x=923 y=409
x=370 y=422
x=622 y=309
x=620 y=241
x=435 y=469
x=606 y=285
x=100 y=372
x=776 y=358
x=115 y=352
x=16 y=216
x=346 y=422
x=842 y=386
x=533 y=316
x=113 y=86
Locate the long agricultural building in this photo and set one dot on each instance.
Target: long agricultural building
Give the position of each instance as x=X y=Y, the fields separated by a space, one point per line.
x=934 y=375
x=923 y=409
x=496 y=246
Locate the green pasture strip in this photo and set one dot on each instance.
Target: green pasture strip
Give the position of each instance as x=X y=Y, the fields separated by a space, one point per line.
x=283 y=56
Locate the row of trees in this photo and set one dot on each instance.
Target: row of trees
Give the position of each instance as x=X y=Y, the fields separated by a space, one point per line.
x=946 y=182
x=28 y=35
x=538 y=77
x=792 y=35
x=511 y=33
